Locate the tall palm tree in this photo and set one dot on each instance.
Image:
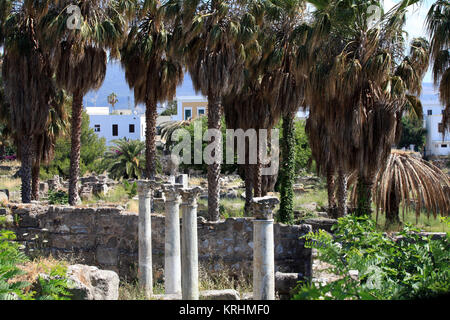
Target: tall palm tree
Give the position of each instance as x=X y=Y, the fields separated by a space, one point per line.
x=438 y=27
x=215 y=34
x=80 y=57
x=153 y=67
x=29 y=86
x=351 y=86
x=411 y=182
x=292 y=41
x=45 y=143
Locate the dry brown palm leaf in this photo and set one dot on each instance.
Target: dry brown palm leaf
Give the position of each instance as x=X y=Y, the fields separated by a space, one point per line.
x=413 y=182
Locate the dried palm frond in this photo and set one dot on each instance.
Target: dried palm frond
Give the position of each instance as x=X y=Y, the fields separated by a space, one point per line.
x=414 y=183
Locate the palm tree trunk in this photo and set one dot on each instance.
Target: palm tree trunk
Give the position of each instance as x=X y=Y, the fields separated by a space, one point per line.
x=35 y=178
x=26 y=159
x=392 y=214
x=341 y=194
x=248 y=187
x=214 y=118
x=2 y=151
x=257 y=170
x=330 y=190
x=364 y=195
x=151 y=115
x=77 y=118
x=286 y=214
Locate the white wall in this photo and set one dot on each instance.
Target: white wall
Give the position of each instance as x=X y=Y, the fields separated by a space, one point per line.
x=436 y=144
x=123 y=121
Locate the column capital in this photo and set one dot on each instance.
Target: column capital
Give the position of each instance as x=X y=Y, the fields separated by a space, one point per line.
x=171 y=191
x=145 y=186
x=189 y=195
x=262 y=208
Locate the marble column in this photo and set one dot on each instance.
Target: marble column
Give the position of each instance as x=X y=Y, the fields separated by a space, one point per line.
x=145 y=275
x=263 y=248
x=189 y=244
x=172 y=259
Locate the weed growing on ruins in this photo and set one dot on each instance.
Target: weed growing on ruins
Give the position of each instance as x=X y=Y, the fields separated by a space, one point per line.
x=372 y=265
x=58 y=197
x=23 y=279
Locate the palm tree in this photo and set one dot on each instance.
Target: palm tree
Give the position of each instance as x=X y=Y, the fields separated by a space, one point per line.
x=411 y=182
x=215 y=36
x=112 y=99
x=292 y=40
x=353 y=87
x=153 y=67
x=437 y=23
x=45 y=143
x=80 y=58
x=125 y=159
x=29 y=86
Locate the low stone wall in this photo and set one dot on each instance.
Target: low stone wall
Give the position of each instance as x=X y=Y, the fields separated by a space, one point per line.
x=108 y=238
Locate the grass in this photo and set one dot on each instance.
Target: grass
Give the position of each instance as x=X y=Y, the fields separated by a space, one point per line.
x=318 y=196
x=428 y=224
x=208 y=280
x=10 y=183
x=39 y=265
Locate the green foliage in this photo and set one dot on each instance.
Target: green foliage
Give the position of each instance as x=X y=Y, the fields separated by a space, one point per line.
x=10 y=257
x=287 y=173
x=58 y=197
x=412 y=133
x=125 y=159
x=130 y=188
x=411 y=268
x=54 y=286
x=92 y=150
x=171 y=109
x=225 y=168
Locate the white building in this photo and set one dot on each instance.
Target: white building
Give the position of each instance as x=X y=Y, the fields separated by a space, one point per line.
x=120 y=124
x=436 y=144
x=116 y=126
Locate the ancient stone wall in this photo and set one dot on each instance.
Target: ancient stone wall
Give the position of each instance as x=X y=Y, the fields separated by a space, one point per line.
x=108 y=238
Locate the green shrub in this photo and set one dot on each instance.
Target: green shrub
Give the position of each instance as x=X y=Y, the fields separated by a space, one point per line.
x=130 y=188
x=58 y=197
x=10 y=257
x=53 y=286
x=415 y=267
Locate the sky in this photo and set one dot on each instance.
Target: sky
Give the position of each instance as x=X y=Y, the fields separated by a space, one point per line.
x=115 y=78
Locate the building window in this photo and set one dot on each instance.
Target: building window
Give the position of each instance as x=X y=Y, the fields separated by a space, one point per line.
x=131 y=128
x=441 y=127
x=443 y=146
x=187 y=114
x=201 y=112
x=97 y=128
x=115 y=130
x=430 y=112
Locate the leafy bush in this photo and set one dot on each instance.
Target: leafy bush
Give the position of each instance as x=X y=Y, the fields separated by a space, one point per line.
x=130 y=188
x=413 y=132
x=10 y=257
x=58 y=197
x=125 y=159
x=92 y=149
x=53 y=286
x=414 y=267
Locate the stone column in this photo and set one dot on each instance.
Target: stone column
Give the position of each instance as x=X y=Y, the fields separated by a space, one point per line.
x=263 y=248
x=189 y=244
x=145 y=275
x=172 y=261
